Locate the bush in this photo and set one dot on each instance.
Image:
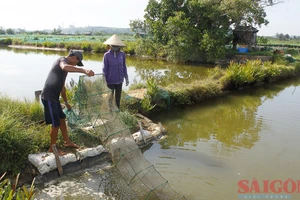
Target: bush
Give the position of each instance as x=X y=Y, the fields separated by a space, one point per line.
x=99 y=48
x=129 y=120
x=130 y=48
x=239 y=75
x=86 y=47
x=50 y=44
x=6 y=41
x=293 y=52
x=17 y=42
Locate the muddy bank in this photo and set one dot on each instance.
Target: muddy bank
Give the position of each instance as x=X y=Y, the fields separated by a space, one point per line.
x=44 y=165
x=36 y=48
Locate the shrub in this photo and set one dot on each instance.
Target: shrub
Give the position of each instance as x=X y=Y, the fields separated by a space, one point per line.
x=238 y=75
x=129 y=120
x=17 y=42
x=293 y=52
x=98 y=48
x=6 y=41
x=216 y=72
x=86 y=47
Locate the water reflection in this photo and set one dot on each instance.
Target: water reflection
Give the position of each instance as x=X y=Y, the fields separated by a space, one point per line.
x=247 y=134
x=32 y=66
x=166 y=73
x=231 y=120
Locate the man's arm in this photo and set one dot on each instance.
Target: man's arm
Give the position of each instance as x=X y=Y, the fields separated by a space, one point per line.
x=64 y=96
x=70 y=68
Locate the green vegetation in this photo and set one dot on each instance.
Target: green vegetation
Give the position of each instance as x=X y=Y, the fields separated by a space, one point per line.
x=22 y=132
x=9 y=191
x=130 y=120
x=196 y=30
x=86 y=43
x=179 y=31
x=219 y=80
x=280 y=41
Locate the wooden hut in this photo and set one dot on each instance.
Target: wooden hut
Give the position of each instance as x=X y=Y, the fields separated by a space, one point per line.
x=244 y=36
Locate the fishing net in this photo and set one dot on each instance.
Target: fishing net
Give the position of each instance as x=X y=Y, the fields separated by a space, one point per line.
x=95 y=107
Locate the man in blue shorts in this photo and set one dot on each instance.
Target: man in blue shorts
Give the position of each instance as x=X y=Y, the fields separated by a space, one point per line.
x=53 y=88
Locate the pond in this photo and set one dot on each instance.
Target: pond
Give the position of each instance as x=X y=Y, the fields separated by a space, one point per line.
x=250 y=135
x=244 y=142
x=245 y=136
x=24 y=71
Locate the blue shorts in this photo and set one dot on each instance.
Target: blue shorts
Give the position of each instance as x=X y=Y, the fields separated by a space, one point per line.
x=53 y=112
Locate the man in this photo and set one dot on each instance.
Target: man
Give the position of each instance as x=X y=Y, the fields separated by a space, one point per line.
x=114 y=67
x=53 y=88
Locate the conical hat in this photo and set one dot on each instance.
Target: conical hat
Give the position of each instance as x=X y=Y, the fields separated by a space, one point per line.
x=114 y=40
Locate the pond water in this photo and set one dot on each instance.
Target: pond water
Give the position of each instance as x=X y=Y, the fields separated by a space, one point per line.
x=24 y=71
x=250 y=135
x=247 y=135
x=244 y=136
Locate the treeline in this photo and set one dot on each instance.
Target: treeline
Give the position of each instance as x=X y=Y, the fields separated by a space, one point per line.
x=72 y=30
x=281 y=36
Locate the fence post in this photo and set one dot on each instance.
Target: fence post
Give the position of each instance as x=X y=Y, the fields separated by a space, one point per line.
x=37 y=95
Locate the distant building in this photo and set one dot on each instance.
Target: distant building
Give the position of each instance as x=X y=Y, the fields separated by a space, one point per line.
x=244 y=36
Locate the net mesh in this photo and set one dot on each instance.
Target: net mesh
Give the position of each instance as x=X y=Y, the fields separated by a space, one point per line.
x=95 y=107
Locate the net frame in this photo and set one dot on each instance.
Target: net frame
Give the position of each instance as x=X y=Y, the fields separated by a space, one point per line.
x=95 y=107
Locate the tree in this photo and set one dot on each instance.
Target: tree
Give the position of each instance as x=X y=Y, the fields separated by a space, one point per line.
x=10 y=31
x=2 y=31
x=287 y=36
x=21 y=31
x=56 y=31
x=137 y=26
x=201 y=27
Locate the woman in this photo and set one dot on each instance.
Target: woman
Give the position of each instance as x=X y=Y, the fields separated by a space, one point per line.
x=114 y=67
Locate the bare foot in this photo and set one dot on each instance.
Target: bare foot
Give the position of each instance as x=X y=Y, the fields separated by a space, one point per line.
x=71 y=145
x=60 y=152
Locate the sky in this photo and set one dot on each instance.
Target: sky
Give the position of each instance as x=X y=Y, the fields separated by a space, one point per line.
x=38 y=15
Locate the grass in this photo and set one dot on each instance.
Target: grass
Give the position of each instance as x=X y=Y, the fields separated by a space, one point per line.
x=86 y=43
x=22 y=132
x=220 y=80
